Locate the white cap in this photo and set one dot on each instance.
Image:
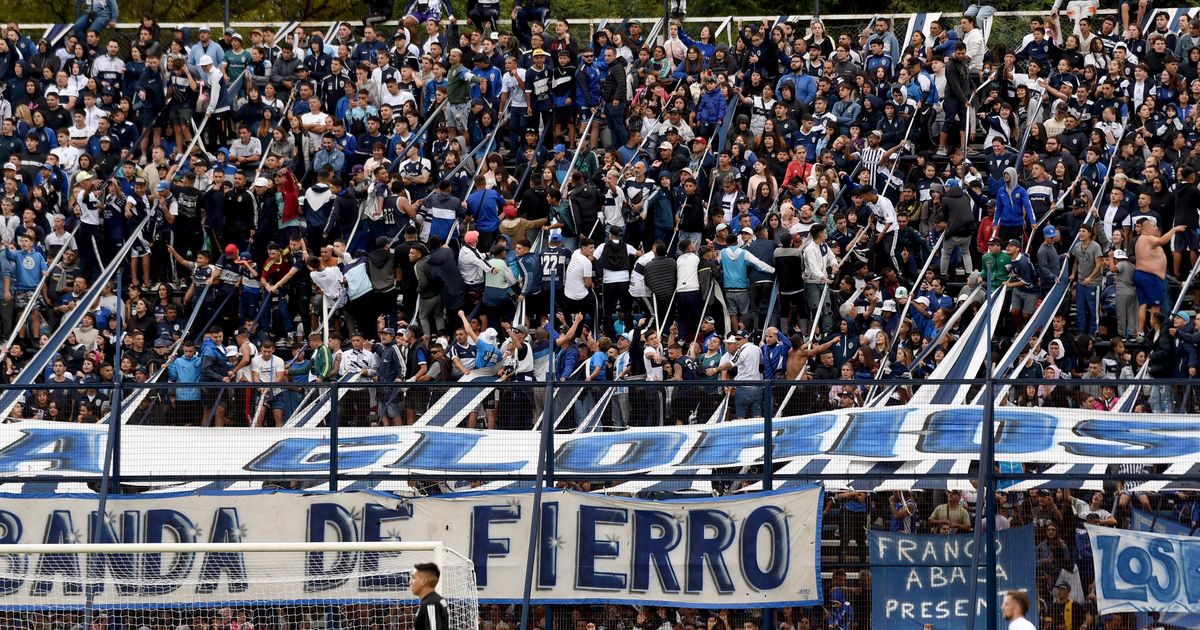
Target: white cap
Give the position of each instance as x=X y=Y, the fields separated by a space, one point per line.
x=722 y=226
x=206 y=61
x=262 y=181
x=889 y=306
x=923 y=300
x=1120 y=254
x=231 y=351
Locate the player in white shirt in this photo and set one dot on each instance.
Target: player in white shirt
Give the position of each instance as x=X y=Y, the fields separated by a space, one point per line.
x=1016 y=606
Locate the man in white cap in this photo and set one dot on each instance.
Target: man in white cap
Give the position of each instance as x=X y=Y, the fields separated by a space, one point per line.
x=262 y=231
x=214 y=100
x=86 y=205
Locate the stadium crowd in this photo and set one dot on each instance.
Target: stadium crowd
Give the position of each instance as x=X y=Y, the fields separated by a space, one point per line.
x=434 y=201
x=405 y=204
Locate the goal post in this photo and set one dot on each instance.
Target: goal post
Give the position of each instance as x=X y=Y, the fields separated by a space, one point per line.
x=231 y=586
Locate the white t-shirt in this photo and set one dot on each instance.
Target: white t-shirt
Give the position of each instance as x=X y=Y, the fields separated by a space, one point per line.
x=316 y=119
x=516 y=93
x=747 y=360
x=653 y=372
x=578 y=269
x=328 y=280
x=1021 y=623
x=885 y=215
x=267 y=370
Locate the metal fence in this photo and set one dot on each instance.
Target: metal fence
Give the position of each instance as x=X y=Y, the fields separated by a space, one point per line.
x=152 y=426
x=1007 y=28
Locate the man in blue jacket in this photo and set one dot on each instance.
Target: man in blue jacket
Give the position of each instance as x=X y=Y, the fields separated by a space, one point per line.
x=186 y=369
x=1013 y=210
x=803 y=86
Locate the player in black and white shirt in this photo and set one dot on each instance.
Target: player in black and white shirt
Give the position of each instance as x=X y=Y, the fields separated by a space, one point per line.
x=433 y=613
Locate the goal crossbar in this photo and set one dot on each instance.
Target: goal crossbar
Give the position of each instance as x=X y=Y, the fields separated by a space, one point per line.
x=202 y=547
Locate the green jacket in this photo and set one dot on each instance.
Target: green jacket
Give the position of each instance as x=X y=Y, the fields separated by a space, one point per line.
x=998 y=265
x=458 y=85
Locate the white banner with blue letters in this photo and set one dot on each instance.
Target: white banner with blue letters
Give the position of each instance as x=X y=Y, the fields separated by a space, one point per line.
x=750 y=551
x=1145 y=572
x=886 y=434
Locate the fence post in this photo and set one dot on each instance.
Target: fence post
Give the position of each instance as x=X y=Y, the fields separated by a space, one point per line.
x=985 y=526
x=768 y=472
x=988 y=465
x=333 y=437
x=545 y=475
x=114 y=417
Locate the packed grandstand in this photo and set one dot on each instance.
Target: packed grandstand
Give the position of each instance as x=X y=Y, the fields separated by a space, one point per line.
x=672 y=227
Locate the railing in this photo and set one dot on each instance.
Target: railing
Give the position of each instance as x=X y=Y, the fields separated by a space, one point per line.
x=1007 y=27
x=168 y=434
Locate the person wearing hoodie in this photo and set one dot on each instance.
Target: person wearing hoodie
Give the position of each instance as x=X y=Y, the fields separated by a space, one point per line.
x=317 y=205
x=1014 y=213
x=803 y=85
x=735 y=268
x=711 y=112
x=956 y=219
x=214 y=368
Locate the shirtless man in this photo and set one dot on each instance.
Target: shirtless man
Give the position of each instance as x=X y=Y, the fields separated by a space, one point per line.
x=1150 y=274
x=801 y=352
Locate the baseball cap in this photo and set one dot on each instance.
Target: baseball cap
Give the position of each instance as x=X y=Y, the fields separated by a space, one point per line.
x=1014 y=242
x=262 y=181
x=471 y=238
x=1182 y=315
x=901 y=293
x=206 y=60
x=722 y=226
x=204 y=29
x=556 y=235
x=162 y=343
x=1049 y=231
x=1120 y=254
x=521 y=329
x=388 y=331
x=559 y=148
x=231 y=351
x=923 y=300
x=746 y=230
x=538 y=52
x=665 y=145
x=163 y=186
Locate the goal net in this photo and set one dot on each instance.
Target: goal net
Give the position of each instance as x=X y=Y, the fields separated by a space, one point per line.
x=228 y=586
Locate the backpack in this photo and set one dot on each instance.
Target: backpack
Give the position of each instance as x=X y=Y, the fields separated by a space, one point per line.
x=616 y=257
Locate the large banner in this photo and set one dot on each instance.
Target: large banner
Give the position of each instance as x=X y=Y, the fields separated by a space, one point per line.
x=919 y=579
x=1145 y=572
x=915 y=433
x=752 y=551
